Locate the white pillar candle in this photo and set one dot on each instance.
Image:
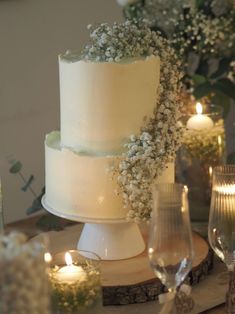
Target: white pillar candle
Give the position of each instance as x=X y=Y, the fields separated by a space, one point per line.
x=199 y=121
x=70 y=273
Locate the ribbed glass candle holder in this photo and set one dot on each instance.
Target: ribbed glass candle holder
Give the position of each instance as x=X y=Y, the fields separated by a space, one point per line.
x=221 y=230
x=203 y=149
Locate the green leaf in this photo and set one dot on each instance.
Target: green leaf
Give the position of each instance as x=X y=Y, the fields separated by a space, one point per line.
x=226 y=86
x=28 y=183
x=198 y=79
x=50 y=222
x=36 y=205
x=16 y=167
x=199 y=3
x=231 y=158
x=202 y=90
x=222 y=100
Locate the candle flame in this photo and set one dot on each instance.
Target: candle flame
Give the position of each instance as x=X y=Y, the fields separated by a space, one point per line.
x=198 y=108
x=185 y=189
x=68 y=259
x=210 y=171
x=47 y=257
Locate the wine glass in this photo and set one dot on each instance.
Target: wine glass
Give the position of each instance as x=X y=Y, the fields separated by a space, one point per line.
x=170 y=246
x=221 y=228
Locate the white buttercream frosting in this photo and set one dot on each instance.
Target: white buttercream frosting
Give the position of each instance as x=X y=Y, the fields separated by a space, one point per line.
x=102 y=104
x=85 y=185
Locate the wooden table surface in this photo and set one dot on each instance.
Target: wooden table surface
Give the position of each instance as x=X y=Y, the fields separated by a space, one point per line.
x=218 y=310
x=28 y=226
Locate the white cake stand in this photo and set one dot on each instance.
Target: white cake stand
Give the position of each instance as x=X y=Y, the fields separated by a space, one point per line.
x=111 y=239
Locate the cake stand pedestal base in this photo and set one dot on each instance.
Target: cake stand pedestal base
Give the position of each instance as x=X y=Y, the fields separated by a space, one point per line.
x=110 y=239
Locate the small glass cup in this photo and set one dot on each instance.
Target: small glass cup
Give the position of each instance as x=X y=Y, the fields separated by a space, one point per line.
x=203 y=149
x=75 y=282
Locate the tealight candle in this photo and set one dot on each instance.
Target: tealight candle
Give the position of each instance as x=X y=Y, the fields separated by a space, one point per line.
x=70 y=273
x=199 y=121
x=75 y=282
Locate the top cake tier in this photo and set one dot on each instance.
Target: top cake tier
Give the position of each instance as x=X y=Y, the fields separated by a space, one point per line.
x=103 y=103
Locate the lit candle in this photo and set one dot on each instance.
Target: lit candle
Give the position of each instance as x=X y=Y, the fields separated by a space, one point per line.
x=47 y=257
x=228 y=189
x=220 y=145
x=199 y=121
x=70 y=273
x=210 y=175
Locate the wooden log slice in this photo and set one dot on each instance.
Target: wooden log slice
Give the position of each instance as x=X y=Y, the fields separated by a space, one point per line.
x=132 y=280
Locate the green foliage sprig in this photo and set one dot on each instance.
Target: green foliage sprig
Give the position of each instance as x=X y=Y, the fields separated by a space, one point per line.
x=48 y=221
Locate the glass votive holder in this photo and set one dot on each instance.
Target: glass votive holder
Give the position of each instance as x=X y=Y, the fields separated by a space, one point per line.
x=203 y=148
x=24 y=285
x=75 y=282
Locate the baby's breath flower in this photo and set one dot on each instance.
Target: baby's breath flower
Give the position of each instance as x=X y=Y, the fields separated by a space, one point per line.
x=148 y=153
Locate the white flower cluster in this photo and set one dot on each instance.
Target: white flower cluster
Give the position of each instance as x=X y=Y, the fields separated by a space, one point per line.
x=163 y=13
x=148 y=153
x=23 y=278
x=117 y=42
x=212 y=36
x=190 y=27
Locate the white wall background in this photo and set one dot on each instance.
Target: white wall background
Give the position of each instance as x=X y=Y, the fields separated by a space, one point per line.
x=33 y=33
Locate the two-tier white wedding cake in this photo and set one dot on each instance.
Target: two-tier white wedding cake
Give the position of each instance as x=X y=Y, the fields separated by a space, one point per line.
x=119 y=106
x=102 y=104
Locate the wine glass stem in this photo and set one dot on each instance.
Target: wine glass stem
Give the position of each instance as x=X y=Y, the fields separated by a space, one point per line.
x=230 y=295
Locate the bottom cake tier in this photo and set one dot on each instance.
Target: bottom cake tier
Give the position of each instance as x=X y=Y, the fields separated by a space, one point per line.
x=85 y=185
